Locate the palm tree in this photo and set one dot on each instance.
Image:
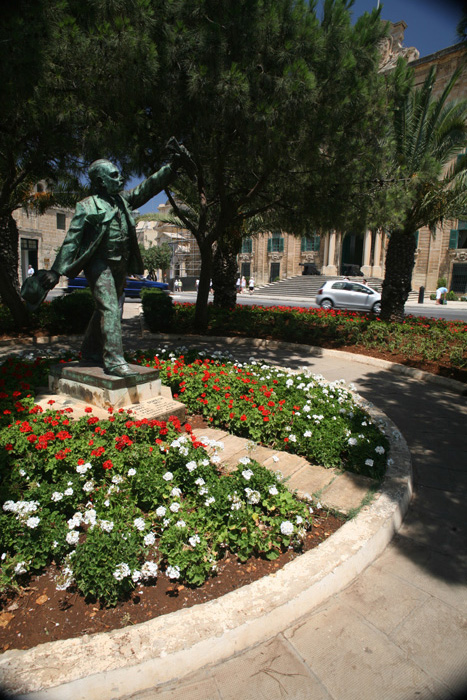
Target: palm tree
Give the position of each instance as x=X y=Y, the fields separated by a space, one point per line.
x=428 y=134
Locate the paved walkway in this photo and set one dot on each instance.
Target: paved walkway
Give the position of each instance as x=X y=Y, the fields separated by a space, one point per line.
x=399 y=631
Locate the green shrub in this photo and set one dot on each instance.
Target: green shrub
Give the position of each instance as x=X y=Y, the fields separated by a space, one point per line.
x=70 y=313
x=7 y=324
x=158 y=310
x=442 y=282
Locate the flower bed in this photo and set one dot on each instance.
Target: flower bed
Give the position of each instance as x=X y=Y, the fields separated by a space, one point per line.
x=116 y=502
x=426 y=338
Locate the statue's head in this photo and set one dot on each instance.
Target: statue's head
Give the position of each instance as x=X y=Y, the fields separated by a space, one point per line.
x=105 y=177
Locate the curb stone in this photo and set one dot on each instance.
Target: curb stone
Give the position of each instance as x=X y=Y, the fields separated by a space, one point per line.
x=162 y=650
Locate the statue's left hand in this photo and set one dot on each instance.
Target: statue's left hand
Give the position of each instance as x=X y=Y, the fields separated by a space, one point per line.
x=180 y=158
x=48 y=278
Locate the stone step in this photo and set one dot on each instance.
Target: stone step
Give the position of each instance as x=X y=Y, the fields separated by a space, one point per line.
x=341 y=491
x=306 y=285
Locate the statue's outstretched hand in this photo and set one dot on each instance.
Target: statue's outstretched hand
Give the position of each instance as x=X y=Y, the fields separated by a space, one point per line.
x=180 y=158
x=48 y=278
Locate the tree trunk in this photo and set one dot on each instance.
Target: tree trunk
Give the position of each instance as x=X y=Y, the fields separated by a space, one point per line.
x=400 y=261
x=9 y=284
x=201 y=311
x=225 y=271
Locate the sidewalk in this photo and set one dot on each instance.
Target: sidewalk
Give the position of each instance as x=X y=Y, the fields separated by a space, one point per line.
x=399 y=630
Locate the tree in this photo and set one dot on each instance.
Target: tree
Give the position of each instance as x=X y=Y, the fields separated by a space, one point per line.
x=428 y=134
x=69 y=74
x=250 y=87
x=156 y=257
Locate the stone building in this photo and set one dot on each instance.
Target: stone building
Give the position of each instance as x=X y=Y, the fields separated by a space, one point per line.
x=278 y=255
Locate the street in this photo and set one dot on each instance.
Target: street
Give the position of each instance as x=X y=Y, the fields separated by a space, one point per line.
x=453 y=311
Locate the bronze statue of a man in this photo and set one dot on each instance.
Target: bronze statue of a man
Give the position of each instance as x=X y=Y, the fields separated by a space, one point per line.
x=102 y=241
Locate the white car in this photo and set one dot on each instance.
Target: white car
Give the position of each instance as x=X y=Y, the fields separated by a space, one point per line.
x=343 y=294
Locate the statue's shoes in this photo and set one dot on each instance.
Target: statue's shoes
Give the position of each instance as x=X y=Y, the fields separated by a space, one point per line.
x=121 y=371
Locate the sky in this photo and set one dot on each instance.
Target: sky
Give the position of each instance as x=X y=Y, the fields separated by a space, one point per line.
x=431 y=26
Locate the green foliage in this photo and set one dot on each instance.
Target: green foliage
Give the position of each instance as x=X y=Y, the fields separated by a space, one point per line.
x=71 y=313
x=442 y=282
x=156 y=257
x=158 y=310
x=116 y=502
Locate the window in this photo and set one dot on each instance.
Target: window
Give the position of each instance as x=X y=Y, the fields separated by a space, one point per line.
x=276 y=243
x=247 y=245
x=61 y=221
x=458 y=237
x=310 y=243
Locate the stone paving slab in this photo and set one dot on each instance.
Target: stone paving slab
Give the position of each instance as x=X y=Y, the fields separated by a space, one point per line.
x=347 y=491
x=339 y=491
x=348 y=643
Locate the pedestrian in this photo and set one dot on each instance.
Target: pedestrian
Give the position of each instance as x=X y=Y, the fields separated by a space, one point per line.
x=30 y=271
x=180 y=285
x=197 y=285
x=243 y=285
x=365 y=283
x=239 y=285
x=251 y=285
x=441 y=295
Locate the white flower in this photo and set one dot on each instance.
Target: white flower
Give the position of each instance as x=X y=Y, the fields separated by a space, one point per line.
x=292 y=438
x=200 y=481
x=149 y=569
x=209 y=500
x=20 y=568
x=72 y=537
x=287 y=527
x=131 y=472
x=83 y=468
x=22 y=472
x=203 y=490
x=180 y=523
x=117 y=479
x=191 y=465
x=275 y=458
x=168 y=476
x=194 y=540
x=247 y=474
x=369 y=462
x=90 y=517
x=174 y=507
x=176 y=492
x=33 y=522
x=273 y=490
x=56 y=496
x=136 y=576
x=244 y=460
x=139 y=524
x=75 y=521
x=215 y=459
x=380 y=450
x=161 y=511
x=68 y=492
x=352 y=441
x=173 y=571
x=299 y=520
x=106 y=525
x=253 y=496
x=149 y=539
x=307 y=433
x=88 y=486
x=122 y=571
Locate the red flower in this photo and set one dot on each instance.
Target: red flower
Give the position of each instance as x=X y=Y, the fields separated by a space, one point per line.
x=243 y=417
x=108 y=464
x=9 y=447
x=88 y=409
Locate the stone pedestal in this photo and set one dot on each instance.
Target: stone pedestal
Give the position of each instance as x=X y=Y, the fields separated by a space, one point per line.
x=76 y=386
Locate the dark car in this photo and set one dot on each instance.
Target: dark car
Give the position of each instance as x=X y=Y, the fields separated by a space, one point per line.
x=133 y=285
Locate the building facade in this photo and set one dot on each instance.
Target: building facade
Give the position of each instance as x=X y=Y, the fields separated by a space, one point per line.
x=268 y=257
